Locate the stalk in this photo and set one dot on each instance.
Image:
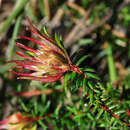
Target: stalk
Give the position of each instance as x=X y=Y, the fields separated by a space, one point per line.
x=111 y=66
x=14 y=36
x=101 y=103
x=18 y=8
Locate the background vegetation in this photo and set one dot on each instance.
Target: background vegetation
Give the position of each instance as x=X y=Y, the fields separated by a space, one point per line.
x=96 y=34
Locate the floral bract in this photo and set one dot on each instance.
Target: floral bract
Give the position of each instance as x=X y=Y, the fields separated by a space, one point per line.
x=50 y=60
x=18 y=121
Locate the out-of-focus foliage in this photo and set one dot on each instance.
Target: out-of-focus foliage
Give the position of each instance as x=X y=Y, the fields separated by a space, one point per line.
x=97 y=37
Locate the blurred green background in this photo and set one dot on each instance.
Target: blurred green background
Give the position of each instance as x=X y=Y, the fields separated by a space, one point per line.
x=96 y=34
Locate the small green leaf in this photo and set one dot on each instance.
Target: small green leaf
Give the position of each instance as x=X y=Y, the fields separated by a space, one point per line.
x=82 y=59
x=87 y=69
x=23 y=105
x=85 y=85
x=42 y=125
x=99 y=114
x=73 y=75
x=34 y=127
x=92 y=75
x=59 y=42
x=45 y=108
x=45 y=31
x=90 y=116
x=85 y=41
x=78 y=83
x=30 y=53
x=35 y=107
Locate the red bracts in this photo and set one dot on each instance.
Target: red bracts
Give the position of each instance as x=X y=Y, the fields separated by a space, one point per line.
x=49 y=62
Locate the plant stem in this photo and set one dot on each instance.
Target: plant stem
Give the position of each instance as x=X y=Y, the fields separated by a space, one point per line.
x=14 y=36
x=101 y=103
x=19 y=6
x=111 y=66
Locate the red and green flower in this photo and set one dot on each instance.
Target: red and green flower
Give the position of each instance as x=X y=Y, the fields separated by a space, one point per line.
x=18 y=121
x=49 y=62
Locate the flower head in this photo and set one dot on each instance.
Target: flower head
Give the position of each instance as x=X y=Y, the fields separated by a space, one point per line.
x=18 y=121
x=50 y=60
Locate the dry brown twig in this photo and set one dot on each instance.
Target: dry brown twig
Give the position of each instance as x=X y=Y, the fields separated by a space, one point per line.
x=124 y=3
x=94 y=26
x=76 y=7
x=78 y=26
x=70 y=39
x=122 y=73
x=57 y=18
x=77 y=32
x=47 y=8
